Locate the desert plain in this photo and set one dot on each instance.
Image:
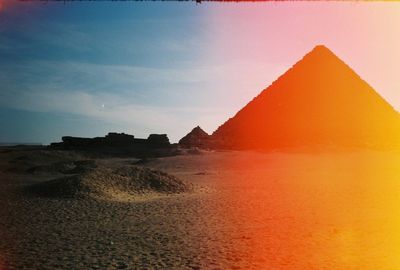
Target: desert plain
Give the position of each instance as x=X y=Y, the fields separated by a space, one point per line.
x=240 y=210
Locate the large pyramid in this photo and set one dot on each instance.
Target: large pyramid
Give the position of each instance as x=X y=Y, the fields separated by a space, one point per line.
x=320 y=101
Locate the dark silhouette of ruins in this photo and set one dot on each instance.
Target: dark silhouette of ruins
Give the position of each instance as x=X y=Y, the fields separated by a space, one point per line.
x=118 y=143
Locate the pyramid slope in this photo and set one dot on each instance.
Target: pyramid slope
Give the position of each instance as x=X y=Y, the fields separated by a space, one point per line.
x=319 y=101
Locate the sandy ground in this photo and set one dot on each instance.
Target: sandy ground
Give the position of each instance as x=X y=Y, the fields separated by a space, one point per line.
x=249 y=211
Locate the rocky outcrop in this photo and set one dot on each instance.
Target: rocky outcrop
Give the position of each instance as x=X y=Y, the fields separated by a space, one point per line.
x=195 y=138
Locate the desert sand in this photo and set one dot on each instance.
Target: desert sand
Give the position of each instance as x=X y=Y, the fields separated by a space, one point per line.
x=242 y=210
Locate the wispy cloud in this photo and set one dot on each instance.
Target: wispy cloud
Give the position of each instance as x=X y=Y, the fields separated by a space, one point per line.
x=147 y=99
x=81 y=89
x=113 y=109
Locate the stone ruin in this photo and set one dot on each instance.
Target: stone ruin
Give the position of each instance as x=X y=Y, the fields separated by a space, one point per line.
x=114 y=142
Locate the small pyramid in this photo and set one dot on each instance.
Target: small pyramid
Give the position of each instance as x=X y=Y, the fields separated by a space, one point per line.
x=319 y=101
x=195 y=138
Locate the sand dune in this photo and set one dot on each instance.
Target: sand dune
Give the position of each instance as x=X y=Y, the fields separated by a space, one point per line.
x=123 y=183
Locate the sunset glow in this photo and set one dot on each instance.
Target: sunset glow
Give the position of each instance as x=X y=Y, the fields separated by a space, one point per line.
x=194 y=65
x=184 y=135
x=307 y=211
x=319 y=101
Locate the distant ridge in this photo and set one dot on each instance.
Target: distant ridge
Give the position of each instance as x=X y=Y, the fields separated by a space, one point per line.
x=320 y=101
x=23 y=143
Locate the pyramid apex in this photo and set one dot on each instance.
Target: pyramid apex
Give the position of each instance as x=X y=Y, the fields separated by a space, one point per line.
x=197 y=128
x=321 y=48
x=195 y=138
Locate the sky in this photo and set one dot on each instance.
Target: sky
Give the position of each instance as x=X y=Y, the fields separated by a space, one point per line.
x=89 y=68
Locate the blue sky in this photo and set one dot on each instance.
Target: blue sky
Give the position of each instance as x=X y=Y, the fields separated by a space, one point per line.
x=88 y=68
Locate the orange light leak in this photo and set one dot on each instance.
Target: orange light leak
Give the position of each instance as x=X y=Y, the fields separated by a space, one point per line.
x=313 y=211
x=6 y=4
x=319 y=101
x=333 y=204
